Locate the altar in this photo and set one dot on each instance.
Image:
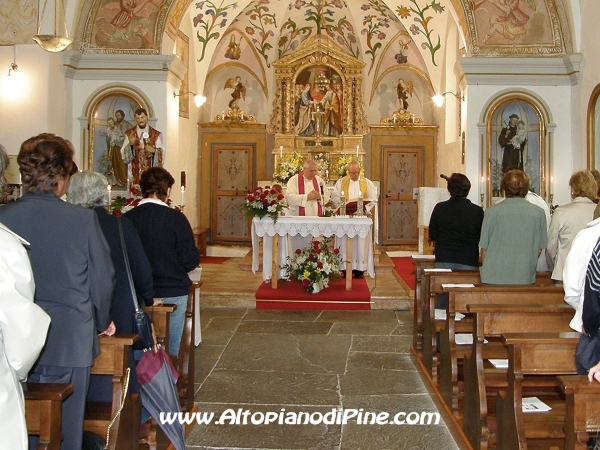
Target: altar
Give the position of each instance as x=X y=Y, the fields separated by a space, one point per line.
x=341 y=227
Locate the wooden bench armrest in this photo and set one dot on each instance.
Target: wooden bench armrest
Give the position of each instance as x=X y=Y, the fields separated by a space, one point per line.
x=505 y=288
x=47 y=391
x=578 y=384
x=118 y=339
x=161 y=309
x=542 y=309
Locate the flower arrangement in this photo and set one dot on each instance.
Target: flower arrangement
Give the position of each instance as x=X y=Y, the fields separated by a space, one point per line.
x=265 y=201
x=288 y=166
x=322 y=164
x=341 y=170
x=120 y=205
x=315 y=265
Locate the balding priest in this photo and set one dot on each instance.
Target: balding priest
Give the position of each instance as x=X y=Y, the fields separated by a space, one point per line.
x=353 y=185
x=306 y=195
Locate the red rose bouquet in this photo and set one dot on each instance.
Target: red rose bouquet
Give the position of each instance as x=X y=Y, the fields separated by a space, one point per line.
x=120 y=205
x=265 y=201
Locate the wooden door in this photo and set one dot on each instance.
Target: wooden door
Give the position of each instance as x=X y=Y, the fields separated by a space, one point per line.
x=402 y=173
x=233 y=172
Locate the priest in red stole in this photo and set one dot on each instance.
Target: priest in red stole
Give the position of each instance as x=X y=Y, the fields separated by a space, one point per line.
x=306 y=194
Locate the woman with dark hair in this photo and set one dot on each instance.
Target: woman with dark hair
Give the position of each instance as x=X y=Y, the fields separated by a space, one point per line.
x=513 y=234
x=88 y=189
x=455 y=226
x=168 y=240
x=73 y=273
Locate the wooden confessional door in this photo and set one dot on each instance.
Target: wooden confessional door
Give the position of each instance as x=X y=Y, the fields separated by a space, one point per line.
x=403 y=160
x=232 y=179
x=402 y=174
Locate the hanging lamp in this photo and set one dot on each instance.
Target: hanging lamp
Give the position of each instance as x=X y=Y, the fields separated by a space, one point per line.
x=53 y=43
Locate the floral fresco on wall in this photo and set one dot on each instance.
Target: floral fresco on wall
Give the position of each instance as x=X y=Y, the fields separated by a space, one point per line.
x=378 y=19
x=421 y=25
x=208 y=19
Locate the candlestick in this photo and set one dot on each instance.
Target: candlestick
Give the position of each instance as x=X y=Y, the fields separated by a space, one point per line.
x=109 y=193
x=357 y=151
x=183 y=178
x=281 y=151
x=360 y=210
x=182 y=195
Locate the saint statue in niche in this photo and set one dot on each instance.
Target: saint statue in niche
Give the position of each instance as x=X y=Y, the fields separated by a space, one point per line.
x=239 y=91
x=403 y=90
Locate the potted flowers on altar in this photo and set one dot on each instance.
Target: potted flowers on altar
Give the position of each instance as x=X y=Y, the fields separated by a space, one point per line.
x=265 y=201
x=341 y=168
x=288 y=166
x=315 y=265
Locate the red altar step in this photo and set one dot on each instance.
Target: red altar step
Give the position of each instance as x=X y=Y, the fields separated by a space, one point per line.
x=293 y=295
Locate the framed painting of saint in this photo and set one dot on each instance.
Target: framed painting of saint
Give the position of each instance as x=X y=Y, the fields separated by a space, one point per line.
x=515 y=142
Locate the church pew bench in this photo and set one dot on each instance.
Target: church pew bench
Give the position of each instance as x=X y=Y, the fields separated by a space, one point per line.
x=482 y=379
x=421 y=262
x=432 y=286
x=43 y=412
x=451 y=354
x=534 y=358
x=114 y=360
x=201 y=236
x=583 y=410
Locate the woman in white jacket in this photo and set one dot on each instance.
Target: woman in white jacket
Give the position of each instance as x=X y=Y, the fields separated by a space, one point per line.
x=23 y=329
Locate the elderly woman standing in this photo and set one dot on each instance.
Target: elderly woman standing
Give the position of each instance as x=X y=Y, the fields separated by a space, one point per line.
x=570 y=219
x=168 y=240
x=88 y=189
x=73 y=273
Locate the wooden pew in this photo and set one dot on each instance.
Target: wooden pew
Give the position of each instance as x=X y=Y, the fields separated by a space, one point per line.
x=433 y=282
x=583 y=410
x=534 y=358
x=421 y=262
x=458 y=300
x=43 y=412
x=114 y=360
x=482 y=380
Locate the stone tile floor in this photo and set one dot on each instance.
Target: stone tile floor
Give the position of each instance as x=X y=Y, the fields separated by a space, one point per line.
x=313 y=362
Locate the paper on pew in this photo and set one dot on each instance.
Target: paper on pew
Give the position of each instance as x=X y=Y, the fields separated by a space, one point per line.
x=499 y=363
x=458 y=285
x=437 y=270
x=534 y=404
x=465 y=339
x=440 y=314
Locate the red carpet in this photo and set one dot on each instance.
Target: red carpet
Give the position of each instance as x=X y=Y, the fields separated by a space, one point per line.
x=404 y=267
x=213 y=259
x=292 y=295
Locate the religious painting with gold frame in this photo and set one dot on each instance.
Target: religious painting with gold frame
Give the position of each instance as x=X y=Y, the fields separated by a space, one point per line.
x=593 y=130
x=515 y=140
x=112 y=116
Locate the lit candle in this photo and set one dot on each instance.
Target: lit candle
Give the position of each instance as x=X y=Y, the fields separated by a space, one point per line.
x=551 y=183
x=182 y=194
x=342 y=193
x=182 y=178
x=357 y=151
x=359 y=194
x=109 y=192
x=281 y=151
x=327 y=173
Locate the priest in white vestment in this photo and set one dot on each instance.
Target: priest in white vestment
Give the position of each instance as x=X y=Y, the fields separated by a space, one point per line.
x=306 y=194
x=353 y=185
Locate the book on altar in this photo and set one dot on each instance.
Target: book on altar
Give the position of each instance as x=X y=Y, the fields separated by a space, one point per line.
x=440 y=314
x=351 y=207
x=458 y=285
x=499 y=363
x=534 y=404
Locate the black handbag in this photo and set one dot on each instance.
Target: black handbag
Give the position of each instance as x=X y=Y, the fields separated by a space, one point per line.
x=143 y=325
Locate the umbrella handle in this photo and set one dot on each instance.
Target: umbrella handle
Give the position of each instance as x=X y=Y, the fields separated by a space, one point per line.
x=125 y=389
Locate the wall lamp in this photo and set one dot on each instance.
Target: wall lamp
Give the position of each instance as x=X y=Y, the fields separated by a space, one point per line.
x=439 y=98
x=199 y=99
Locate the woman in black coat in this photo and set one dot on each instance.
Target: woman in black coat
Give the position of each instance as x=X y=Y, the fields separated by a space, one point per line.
x=89 y=189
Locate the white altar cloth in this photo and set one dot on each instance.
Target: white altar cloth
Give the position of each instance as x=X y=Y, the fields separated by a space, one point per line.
x=341 y=227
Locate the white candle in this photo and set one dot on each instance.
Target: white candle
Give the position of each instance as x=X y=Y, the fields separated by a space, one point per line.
x=359 y=194
x=281 y=151
x=182 y=194
x=109 y=193
x=342 y=193
x=357 y=151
